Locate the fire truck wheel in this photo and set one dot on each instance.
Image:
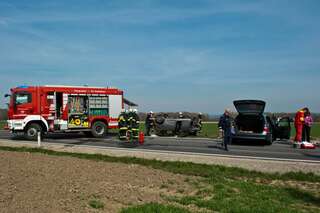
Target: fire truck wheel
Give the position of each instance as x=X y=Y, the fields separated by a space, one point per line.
x=99 y=129
x=32 y=130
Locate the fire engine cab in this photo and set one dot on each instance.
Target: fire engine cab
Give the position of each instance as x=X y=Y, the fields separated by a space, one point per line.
x=92 y=110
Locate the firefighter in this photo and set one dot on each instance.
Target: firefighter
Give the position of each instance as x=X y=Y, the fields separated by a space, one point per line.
x=123 y=124
x=225 y=124
x=298 y=123
x=136 y=124
x=179 y=124
x=200 y=121
x=133 y=123
x=149 y=123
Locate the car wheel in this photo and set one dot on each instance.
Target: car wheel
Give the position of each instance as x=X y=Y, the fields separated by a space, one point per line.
x=31 y=132
x=269 y=142
x=99 y=129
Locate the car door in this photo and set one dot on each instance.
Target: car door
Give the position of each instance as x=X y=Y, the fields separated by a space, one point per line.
x=283 y=128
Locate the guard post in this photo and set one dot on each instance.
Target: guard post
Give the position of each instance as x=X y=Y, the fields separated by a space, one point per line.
x=39 y=138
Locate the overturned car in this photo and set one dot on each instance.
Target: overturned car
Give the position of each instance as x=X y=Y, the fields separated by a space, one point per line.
x=164 y=126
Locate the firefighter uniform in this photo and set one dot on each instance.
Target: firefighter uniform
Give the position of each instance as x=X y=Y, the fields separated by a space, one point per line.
x=123 y=125
x=133 y=123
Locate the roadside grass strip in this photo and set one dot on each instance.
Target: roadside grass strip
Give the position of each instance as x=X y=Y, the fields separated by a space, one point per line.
x=2 y=124
x=218 y=188
x=154 y=207
x=96 y=204
x=249 y=197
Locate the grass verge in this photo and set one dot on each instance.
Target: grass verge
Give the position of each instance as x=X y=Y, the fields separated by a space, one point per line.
x=2 y=124
x=96 y=204
x=154 y=207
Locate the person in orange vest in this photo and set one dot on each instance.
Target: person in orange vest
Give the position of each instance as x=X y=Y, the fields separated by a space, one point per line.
x=298 y=123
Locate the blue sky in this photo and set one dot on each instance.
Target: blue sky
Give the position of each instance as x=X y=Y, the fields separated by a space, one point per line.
x=168 y=55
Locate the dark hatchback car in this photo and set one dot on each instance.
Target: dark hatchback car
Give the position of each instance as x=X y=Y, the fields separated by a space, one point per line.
x=252 y=124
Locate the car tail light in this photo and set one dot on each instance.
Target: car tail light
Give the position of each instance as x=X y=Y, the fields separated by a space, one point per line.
x=266 y=130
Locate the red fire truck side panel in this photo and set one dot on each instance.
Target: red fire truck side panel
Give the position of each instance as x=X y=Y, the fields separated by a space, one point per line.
x=50 y=105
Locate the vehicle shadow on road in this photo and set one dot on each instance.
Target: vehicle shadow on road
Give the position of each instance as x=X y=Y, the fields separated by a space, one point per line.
x=76 y=135
x=218 y=146
x=248 y=143
x=123 y=144
x=312 y=155
x=285 y=142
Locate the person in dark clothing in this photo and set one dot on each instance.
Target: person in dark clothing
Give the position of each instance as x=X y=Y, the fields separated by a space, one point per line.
x=179 y=124
x=123 y=124
x=133 y=121
x=308 y=121
x=149 y=123
x=225 y=124
x=200 y=121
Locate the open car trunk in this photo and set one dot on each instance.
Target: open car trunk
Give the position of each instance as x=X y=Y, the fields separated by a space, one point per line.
x=249 y=123
x=250 y=118
x=249 y=106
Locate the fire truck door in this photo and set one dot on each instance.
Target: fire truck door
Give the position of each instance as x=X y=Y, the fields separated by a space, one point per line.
x=59 y=104
x=22 y=101
x=47 y=105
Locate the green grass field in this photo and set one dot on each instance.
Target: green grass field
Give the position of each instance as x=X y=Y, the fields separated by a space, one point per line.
x=211 y=130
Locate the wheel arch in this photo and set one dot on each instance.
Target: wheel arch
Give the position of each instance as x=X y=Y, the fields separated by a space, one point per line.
x=38 y=120
x=105 y=121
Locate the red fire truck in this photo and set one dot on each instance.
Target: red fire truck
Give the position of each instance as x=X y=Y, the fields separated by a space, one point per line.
x=92 y=110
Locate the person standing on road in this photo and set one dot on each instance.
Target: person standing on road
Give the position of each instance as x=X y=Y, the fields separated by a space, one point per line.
x=225 y=124
x=298 y=124
x=200 y=121
x=149 y=123
x=308 y=121
x=179 y=124
x=123 y=124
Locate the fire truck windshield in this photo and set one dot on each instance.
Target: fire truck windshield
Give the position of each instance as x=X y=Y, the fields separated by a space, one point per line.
x=22 y=98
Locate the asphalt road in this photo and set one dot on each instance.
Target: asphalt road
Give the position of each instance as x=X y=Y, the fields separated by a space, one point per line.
x=281 y=150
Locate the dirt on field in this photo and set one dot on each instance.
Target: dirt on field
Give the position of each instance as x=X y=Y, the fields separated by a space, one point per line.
x=31 y=182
